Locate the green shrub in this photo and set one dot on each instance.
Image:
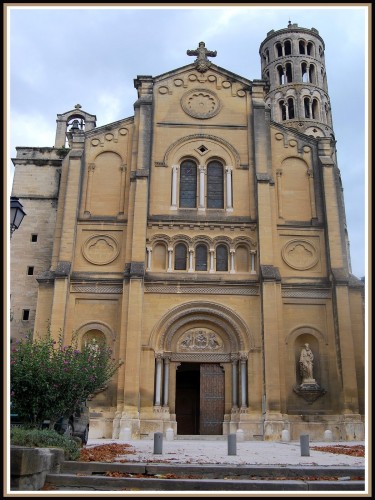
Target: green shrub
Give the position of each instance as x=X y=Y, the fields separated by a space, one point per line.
x=45 y=438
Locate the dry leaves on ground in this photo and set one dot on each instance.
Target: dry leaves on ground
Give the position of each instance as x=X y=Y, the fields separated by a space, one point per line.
x=105 y=452
x=354 y=451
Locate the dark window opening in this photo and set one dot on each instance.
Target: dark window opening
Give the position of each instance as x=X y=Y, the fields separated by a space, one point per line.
x=188 y=185
x=30 y=270
x=288 y=68
x=201 y=258
x=180 y=257
x=221 y=258
x=34 y=238
x=291 y=108
x=280 y=72
x=279 y=50
x=215 y=185
x=287 y=48
x=311 y=74
x=310 y=48
x=301 y=47
x=314 y=109
x=282 y=110
x=25 y=314
x=306 y=103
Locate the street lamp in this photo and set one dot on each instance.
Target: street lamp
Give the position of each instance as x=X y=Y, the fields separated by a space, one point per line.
x=16 y=214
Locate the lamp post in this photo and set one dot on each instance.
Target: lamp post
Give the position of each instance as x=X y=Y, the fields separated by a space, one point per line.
x=16 y=214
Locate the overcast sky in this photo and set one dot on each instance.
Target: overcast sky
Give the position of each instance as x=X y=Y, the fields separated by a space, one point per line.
x=62 y=56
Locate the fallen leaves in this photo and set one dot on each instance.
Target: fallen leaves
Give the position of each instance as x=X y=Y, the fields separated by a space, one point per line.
x=342 y=449
x=105 y=452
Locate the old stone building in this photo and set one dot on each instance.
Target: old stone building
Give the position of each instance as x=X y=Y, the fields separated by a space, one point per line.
x=204 y=240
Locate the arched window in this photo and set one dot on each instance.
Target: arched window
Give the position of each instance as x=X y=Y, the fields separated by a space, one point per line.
x=312 y=73
x=280 y=72
x=267 y=56
x=305 y=75
x=188 y=184
x=279 y=50
x=306 y=103
x=180 y=257
x=291 y=108
x=301 y=47
x=282 y=110
x=201 y=258
x=315 y=109
x=310 y=49
x=221 y=258
x=287 y=48
x=288 y=72
x=215 y=185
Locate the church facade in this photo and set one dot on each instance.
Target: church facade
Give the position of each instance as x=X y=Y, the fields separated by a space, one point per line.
x=204 y=240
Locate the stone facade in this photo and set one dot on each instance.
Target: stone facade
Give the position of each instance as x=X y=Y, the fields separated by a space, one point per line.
x=209 y=228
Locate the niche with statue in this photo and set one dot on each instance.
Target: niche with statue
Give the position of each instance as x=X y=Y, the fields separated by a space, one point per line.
x=307 y=370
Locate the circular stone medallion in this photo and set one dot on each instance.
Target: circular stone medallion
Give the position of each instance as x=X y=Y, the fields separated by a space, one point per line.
x=200 y=103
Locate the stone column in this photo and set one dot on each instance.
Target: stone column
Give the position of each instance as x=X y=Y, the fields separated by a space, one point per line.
x=234 y=360
x=166 y=381
x=149 y=258
x=228 y=171
x=158 y=373
x=252 y=255
x=202 y=187
x=91 y=168
x=212 y=260
x=232 y=252
x=312 y=195
x=191 y=260
x=174 y=186
x=122 y=190
x=279 y=174
x=170 y=253
x=243 y=362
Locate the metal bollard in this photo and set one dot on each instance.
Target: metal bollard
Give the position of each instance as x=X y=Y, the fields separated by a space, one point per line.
x=232 y=444
x=305 y=447
x=158 y=443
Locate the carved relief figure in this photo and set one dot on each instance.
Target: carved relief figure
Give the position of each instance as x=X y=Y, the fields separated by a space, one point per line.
x=306 y=365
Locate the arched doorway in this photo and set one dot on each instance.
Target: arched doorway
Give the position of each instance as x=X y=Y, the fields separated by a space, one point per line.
x=200 y=398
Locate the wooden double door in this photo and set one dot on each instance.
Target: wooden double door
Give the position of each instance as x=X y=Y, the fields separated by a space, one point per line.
x=200 y=398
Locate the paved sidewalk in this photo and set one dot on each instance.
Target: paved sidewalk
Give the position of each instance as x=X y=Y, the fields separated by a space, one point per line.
x=247 y=452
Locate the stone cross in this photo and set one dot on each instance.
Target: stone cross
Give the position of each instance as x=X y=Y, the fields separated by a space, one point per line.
x=202 y=63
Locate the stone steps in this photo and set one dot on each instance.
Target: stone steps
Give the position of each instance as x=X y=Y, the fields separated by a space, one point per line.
x=199 y=437
x=191 y=477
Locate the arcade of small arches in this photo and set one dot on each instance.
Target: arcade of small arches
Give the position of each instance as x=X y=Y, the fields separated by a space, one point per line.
x=312 y=109
x=285 y=48
x=181 y=253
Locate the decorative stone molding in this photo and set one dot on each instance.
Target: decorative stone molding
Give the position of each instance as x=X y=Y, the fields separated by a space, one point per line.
x=200 y=339
x=201 y=357
x=308 y=294
x=96 y=288
x=200 y=103
x=300 y=254
x=100 y=249
x=216 y=290
x=309 y=392
x=270 y=273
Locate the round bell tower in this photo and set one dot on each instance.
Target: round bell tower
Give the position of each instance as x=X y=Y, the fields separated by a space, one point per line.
x=292 y=61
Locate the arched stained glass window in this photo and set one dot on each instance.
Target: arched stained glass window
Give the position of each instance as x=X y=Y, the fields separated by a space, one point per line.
x=188 y=184
x=215 y=185
x=221 y=258
x=201 y=258
x=180 y=257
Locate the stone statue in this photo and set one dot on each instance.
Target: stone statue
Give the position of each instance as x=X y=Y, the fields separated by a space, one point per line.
x=306 y=365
